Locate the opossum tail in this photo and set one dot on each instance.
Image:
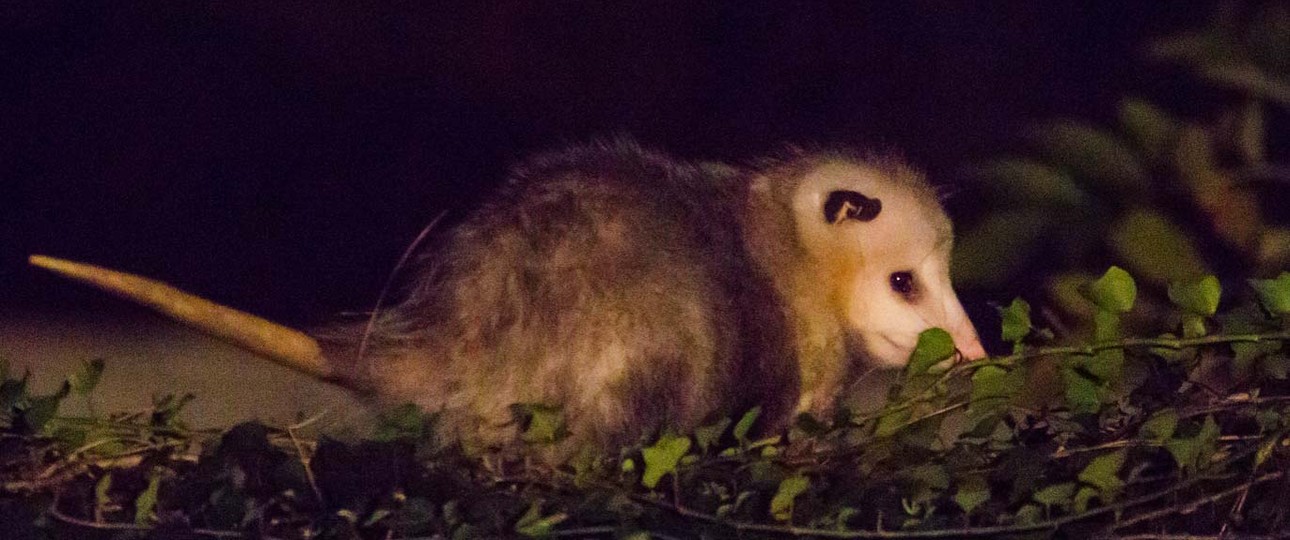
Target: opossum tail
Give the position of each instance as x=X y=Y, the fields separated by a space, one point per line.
x=286 y=346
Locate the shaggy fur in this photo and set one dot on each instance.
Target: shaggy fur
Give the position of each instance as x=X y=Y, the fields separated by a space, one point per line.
x=634 y=291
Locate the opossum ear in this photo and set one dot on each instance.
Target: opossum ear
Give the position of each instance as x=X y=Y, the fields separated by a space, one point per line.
x=844 y=205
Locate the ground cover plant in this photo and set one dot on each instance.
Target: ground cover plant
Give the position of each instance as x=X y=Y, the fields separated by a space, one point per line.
x=1182 y=431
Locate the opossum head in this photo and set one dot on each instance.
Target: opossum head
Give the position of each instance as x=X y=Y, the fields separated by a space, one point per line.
x=877 y=238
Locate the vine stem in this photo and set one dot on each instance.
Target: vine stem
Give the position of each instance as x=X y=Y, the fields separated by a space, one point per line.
x=55 y=513
x=1166 y=343
x=1192 y=506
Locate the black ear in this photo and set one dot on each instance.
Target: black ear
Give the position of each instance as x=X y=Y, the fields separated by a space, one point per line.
x=844 y=205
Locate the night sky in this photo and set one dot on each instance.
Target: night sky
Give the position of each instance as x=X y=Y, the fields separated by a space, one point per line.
x=279 y=156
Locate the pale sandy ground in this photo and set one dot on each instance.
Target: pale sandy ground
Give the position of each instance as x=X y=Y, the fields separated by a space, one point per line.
x=147 y=355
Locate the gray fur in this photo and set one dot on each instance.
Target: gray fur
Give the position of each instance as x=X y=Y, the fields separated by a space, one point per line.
x=633 y=290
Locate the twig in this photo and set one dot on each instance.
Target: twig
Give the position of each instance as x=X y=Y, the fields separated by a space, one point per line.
x=1193 y=505
x=55 y=513
x=304 y=462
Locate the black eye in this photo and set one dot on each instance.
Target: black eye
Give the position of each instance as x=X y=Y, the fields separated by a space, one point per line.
x=903 y=284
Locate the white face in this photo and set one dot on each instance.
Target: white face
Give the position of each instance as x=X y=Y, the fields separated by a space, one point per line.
x=887 y=260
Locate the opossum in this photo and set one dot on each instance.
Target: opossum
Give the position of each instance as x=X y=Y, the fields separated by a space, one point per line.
x=640 y=292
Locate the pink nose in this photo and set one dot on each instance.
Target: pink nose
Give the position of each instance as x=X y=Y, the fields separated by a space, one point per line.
x=968 y=344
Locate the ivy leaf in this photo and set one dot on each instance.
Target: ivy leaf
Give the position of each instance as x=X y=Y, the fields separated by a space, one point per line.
x=745 y=424
x=1056 y=495
x=1095 y=154
x=1232 y=209
x=40 y=410
x=992 y=388
x=708 y=435
x=934 y=346
x=1083 y=395
x=1016 y=321
x=890 y=423
x=1083 y=497
x=534 y=524
x=973 y=491
x=1160 y=427
x=985 y=255
x=1031 y=183
x=146 y=502
x=1155 y=247
x=1274 y=294
x=86 y=377
x=1193 y=326
x=1115 y=291
x=102 y=498
x=1193 y=453
x=1106 y=326
x=405 y=421
x=1101 y=473
x=662 y=457
x=1197 y=297
x=544 y=423
x=1153 y=129
x=12 y=393
x=781 y=505
x=1106 y=365
x=1029 y=514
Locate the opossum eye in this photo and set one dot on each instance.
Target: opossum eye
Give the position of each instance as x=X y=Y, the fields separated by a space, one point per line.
x=844 y=205
x=903 y=284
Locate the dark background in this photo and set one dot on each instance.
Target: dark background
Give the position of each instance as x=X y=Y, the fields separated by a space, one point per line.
x=278 y=156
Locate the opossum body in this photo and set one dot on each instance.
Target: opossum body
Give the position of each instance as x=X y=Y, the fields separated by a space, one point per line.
x=638 y=292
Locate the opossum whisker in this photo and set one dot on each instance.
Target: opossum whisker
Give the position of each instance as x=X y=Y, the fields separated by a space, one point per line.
x=370 y=327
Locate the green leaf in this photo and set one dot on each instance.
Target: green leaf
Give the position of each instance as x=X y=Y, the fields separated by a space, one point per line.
x=1115 y=291
x=993 y=388
x=934 y=346
x=1030 y=514
x=708 y=435
x=988 y=254
x=1016 y=321
x=1031 y=183
x=781 y=505
x=1106 y=326
x=1102 y=473
x=1155 y=248
x=662 y=457
x=1153 y=129
x=973 y=491
x=745 y=424
x=1198 y=297
x=1160 y=427
x=891 y=423
x=1083 y=497
x=1056 y=495
x=146 y=502
x=406 y=421
x=1106 y=365
x=12 y=393
x=102 y=498
x=1193 y=326
x=1193 y=453
x=1253 y=133
x=534 y=524
x=1083 y=395
x=40 y=410
x=86 y=377
x=1094 y=154
x=1274 y=294
x=544 y=423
